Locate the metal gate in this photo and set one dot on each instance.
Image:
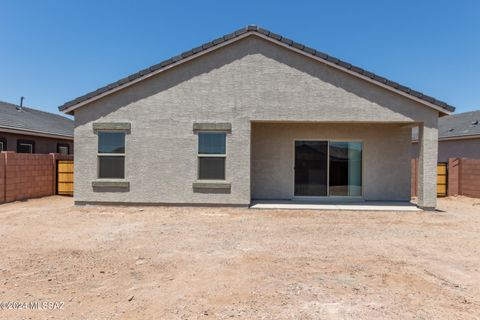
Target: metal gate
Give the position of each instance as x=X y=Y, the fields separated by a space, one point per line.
x=65 y=177
x=442 y=178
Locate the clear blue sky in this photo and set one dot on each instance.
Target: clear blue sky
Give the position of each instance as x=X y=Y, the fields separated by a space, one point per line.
x=55 y=51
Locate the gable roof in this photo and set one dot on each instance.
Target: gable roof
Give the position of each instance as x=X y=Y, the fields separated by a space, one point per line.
x=457 y=126
x=34 y=122
x=439 y=105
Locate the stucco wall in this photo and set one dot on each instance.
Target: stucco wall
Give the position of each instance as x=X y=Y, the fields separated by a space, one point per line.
x=385 y=157
x=42 y=144
x=248 y=81
x=465 y=148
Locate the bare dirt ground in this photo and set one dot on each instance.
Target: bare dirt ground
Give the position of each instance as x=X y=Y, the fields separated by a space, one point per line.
x=218 y=263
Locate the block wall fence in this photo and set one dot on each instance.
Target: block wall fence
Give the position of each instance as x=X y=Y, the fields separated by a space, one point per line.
x=25 y=176
x=463 y=177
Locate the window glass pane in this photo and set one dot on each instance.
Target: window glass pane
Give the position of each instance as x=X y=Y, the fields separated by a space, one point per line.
x=311 y=168
x=345 y=169
x=211 y=168
x=62 y=149
x=111 y=142
x=211 y=142
x=1 y=146
x=354 y=168
x=111 y=167
x=24 y=148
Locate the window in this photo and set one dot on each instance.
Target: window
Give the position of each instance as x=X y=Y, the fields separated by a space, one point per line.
x=63 y=148
x=111 y=155
x=211 y=155
x=3 y=144
x=25 y=146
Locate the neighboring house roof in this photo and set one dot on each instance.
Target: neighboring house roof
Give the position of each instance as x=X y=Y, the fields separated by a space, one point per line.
x=457 y=126
x=34 y=122
x=68 y=107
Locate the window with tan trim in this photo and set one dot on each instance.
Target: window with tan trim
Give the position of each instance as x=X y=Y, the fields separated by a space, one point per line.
x=212 y=155
x=111 y=154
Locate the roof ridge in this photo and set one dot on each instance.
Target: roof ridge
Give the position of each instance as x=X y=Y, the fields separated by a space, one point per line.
x=256 y=29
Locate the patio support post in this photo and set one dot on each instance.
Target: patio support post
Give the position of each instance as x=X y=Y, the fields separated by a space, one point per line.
x=427 y=165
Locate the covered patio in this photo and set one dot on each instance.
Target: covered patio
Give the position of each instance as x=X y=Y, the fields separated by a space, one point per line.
x=327 y=165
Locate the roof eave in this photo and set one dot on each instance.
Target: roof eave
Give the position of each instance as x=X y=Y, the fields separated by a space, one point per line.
x=38 y=133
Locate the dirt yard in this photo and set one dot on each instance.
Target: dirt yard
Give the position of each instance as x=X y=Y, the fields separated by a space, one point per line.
x=217 y=263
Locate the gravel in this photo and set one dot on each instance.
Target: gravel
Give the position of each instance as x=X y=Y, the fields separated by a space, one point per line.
x=224 y=263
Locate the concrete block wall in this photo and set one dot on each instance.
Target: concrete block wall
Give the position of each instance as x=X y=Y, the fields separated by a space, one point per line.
x=470 y=177
x=2 y=177
x=453 y=177
x=463 y=177
x=24 y=176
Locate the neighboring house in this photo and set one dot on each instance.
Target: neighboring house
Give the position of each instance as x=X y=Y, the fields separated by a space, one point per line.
x=252 y=115
x=458 y=137
x=27 y=130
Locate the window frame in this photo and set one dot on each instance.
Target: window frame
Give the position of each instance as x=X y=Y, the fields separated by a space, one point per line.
x=63 y=145
x=4 y=144
x=124 y=154
x=212 y=155
x=26 y=142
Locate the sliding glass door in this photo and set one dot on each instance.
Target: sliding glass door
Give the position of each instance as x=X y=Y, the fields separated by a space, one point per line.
x=311 y=159
x=345 y=172
x=328 y=168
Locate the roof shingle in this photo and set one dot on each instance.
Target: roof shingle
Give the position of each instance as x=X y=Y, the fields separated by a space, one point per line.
x=34 y=120
x=456 y=125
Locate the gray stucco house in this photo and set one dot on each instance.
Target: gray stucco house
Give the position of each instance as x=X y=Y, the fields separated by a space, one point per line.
x=252 y=115
x=458 y=137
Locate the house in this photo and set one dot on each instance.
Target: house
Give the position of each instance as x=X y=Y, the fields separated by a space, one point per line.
x=252 y=115
x=27 y=130
x=458 y=137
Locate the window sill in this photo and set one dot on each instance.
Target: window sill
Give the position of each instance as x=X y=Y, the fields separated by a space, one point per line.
x=110 y=183
x=212 y=184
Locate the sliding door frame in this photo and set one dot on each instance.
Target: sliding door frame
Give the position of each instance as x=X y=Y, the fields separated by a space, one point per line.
x=328 y=196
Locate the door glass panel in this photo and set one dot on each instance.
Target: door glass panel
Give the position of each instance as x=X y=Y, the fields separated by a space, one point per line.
x=345 y=169
x=311 y=168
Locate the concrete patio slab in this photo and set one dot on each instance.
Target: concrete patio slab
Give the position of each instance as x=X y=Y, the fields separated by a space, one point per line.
x=350 y=206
